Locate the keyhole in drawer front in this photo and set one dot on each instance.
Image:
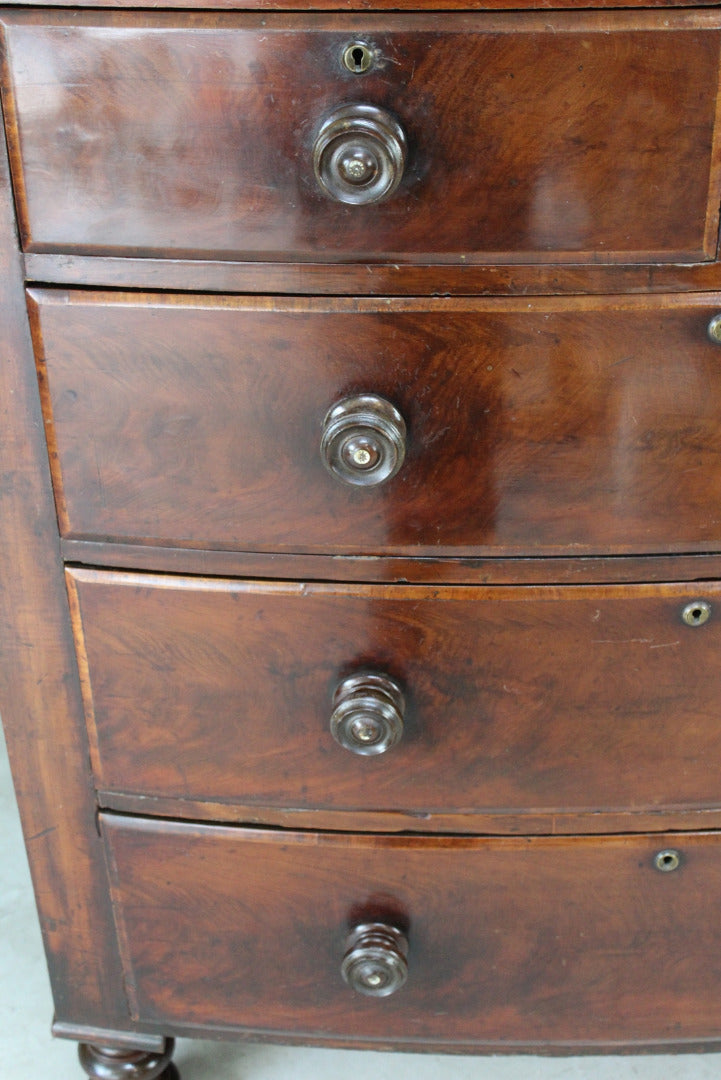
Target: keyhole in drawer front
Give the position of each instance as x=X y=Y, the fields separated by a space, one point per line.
x=696 y=613
x=357 y=57
x=667 y=861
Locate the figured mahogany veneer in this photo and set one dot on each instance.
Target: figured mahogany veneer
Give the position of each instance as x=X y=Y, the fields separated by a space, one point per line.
x=219 y=615
x=152 y=134
x=534 y=426
x=39 y=691
x=512 y=942
x=535 y=699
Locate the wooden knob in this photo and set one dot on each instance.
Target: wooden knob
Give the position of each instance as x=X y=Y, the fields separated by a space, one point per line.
x=714 y=329
x=375 y=961
x=359 y=154
x=368 y=712
x=364 y=440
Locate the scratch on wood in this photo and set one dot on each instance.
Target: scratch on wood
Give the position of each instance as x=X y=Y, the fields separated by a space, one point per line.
x=624 y=641
x=44 y=832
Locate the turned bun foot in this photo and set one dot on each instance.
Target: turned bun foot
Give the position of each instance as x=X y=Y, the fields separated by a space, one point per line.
x=106 y=1063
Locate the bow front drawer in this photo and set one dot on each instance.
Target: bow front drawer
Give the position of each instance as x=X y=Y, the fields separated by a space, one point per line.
x=523 y=942
x=413 y=699
x=548 y=426
x=441 y=137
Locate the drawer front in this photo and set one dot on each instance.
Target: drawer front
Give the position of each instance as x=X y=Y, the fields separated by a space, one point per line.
x=540 y=426
x=514 y=699
x=535 y=942
x=527 y=136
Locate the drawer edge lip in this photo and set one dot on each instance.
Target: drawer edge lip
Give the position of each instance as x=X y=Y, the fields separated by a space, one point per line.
x=11 y=8
x=393 y=823
x=113 y=822
x=133 y=1040
x=371 y=278
x=452 y=1046
x=477 y=570
x=389 y=7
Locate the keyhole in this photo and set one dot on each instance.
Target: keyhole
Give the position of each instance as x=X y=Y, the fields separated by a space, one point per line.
x=696 y=613
x=667 y=861
x=357 y=57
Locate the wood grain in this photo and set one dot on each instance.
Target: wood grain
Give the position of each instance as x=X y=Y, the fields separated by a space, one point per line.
x=39 y=689
x=538 y=699
x=361 y=5
x=480 y=571
x=552 y=941
x=573 y=137
x=565 y=823
x=549 y=426
x=557 y=510
x=371 y=279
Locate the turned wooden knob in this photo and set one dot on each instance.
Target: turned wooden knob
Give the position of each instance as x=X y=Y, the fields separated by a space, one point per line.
x=359 y=154
x=364 y=440
x=367 y=715
x=375 y=960
x=714 y=329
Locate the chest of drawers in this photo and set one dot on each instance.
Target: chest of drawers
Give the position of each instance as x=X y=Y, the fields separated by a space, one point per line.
x=361 y=506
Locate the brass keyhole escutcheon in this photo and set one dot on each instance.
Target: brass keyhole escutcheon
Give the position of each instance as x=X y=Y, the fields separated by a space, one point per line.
x=667 y=860
x=696 y=613
x=358 y=57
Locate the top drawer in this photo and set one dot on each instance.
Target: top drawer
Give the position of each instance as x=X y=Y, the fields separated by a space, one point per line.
x=528 y=137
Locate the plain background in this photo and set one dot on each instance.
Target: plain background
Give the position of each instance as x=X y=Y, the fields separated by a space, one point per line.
x=27 y=1050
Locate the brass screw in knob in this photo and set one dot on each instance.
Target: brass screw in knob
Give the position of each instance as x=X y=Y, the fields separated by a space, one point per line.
x=359 y=154
x=375 y=962
x=714 y=329
x=358 y=166
x=368 y=712
x=363 y=441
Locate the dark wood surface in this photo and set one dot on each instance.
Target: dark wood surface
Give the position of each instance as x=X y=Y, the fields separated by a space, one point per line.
x=371 y=279
x=460 y=571
x=101 y=1062
x=551 y=941
x=540 y=700
x=39 y=689
x=114 y=1040
x=565 y=823
x=550 y=426
x=362 y=5
x=567 y=137
x=550 y=153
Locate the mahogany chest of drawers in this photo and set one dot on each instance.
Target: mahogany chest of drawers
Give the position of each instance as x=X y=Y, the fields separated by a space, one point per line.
x=361 y=507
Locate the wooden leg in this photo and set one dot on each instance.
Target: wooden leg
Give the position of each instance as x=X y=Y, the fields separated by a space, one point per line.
x=106 y=1063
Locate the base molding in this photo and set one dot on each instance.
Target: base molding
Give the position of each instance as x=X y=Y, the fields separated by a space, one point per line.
x=132 y=1040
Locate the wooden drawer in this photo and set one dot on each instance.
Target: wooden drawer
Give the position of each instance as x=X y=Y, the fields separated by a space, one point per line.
x=562 y=942
x=516 y=700
x=194 y=135
x=543 y=426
